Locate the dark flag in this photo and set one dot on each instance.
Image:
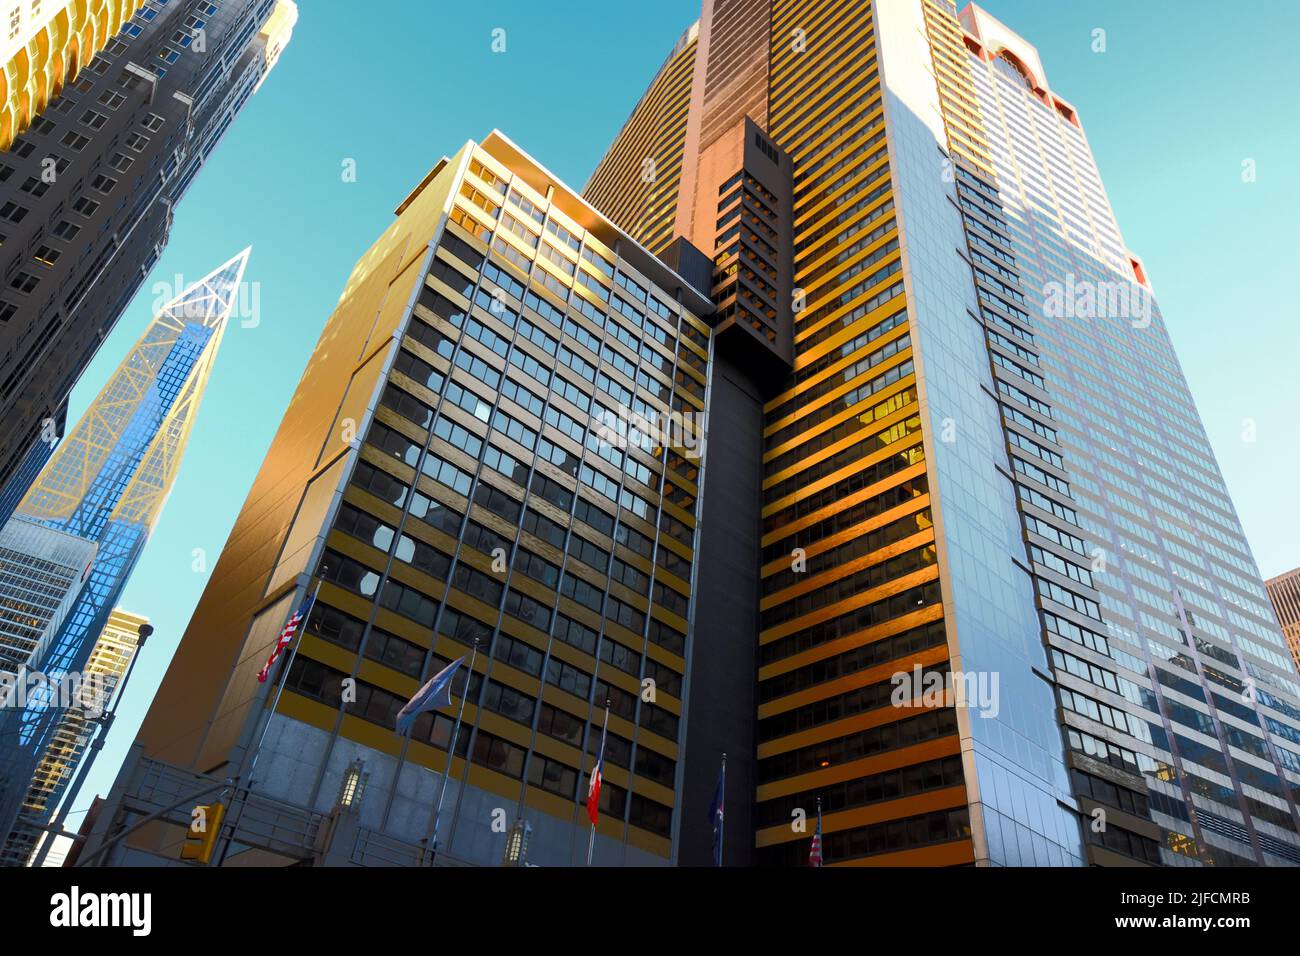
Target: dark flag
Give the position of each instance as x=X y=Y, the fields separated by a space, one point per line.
x=716 y=812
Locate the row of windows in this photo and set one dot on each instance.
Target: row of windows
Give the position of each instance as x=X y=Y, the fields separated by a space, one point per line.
x=847 y=587
x=451 y=476
x=861 y=544
x=853 y=661
x=854 y=454
x=354 y=576
x=837 y=707
x=930 y=725
x=379 y=706
x=862 y=791
x=897 y=605
x=942 y=826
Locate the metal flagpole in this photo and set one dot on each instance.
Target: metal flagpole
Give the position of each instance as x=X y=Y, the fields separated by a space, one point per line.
x=591 y=841
x=237 y=815
x=284 y=679
x=451 y=748
x=102 y=726
x=722 y=810
x=821 y=850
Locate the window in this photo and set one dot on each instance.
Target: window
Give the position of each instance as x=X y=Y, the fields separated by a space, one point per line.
x=563 y=235
x=12 y=212
x=568 y=678
x=496 y=754
x=47 y=255
x=561 y=725
x=24 y=282
x=649 y=815
x=552 y=775
x=526 y=207
x=393 y=443
x=599 y=261
x=349 y=574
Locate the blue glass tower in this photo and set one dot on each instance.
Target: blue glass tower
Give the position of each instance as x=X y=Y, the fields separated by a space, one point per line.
x=105 y=485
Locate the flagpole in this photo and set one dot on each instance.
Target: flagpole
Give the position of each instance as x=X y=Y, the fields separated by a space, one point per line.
x=284 y=677
x=591 y=841
x=451 y=748
x=722 y=826
x=266 y=726
x=821 y=850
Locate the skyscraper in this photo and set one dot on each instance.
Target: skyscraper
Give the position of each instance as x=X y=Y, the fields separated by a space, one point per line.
x=649 y=151
x=43 y=46
x=983 y=469
x=88 y=192
x=461 y=463
x=81 y=729
x=43 y=570
x=102 y=491
x=956 y=573
x=1284 y=591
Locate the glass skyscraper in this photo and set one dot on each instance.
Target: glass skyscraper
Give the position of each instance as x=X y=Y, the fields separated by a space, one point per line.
x=102 y=491
x=1189 y=696
x=982 y=462
x=957 y=567
x=81 y=731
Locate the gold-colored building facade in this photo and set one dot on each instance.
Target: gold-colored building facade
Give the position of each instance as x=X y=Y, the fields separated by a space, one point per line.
x=1284 y=591
x=637 y=182
x=849 y=589
x=847 y=483
x=570 y=322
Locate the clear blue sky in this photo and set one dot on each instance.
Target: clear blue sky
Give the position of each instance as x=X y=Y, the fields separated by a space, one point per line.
x=1182 y=95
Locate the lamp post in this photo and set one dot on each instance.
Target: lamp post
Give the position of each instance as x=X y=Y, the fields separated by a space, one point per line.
x=102 y=724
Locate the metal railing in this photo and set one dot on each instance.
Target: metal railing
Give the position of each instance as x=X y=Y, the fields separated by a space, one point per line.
x=157 y=791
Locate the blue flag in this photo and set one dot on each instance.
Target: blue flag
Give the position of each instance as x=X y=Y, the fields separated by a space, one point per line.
x=716 y=813
x=436 y=693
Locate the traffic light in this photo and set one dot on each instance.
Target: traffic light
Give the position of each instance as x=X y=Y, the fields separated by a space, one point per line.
x=205 y=825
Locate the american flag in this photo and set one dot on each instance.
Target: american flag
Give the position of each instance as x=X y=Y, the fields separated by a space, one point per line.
x=286 y=638
x=815 y=853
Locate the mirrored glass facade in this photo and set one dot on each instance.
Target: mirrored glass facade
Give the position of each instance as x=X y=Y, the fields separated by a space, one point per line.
x=985 y=465
x=1174 y=686
x=103 y=490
